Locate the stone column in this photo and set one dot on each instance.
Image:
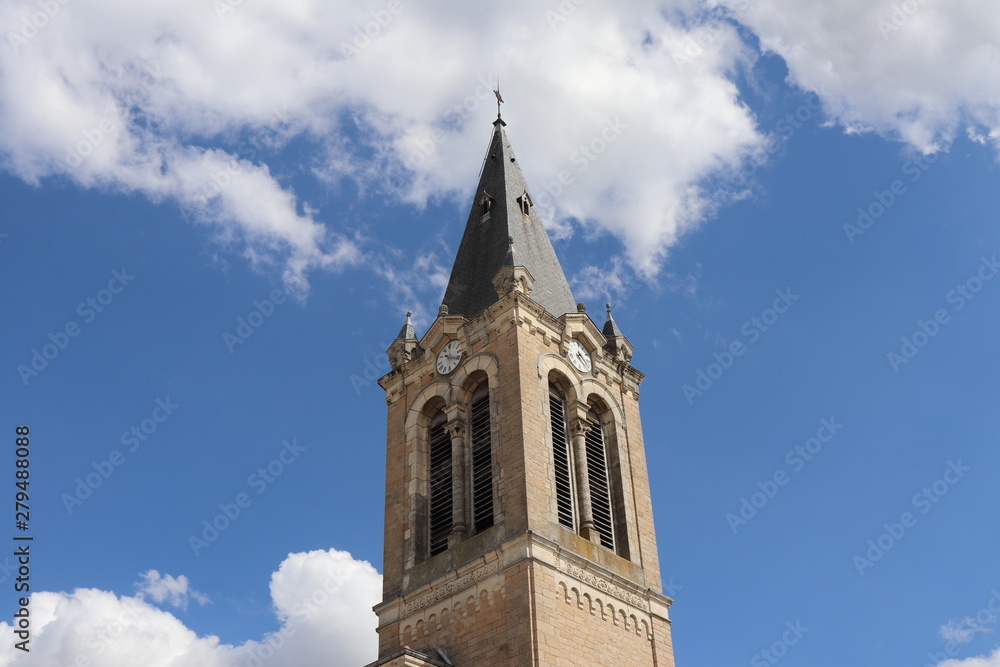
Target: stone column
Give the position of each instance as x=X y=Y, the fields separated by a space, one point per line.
x=456 y=429
x=579 y=428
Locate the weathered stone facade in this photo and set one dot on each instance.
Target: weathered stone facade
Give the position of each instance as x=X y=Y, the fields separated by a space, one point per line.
x=526 y=590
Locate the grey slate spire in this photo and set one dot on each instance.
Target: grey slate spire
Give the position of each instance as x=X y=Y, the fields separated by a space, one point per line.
x=618 y=346
x=497 y=232
x=611 y=329
x=407 y=332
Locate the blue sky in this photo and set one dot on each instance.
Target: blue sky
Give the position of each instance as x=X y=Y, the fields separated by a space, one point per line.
x=812 y=189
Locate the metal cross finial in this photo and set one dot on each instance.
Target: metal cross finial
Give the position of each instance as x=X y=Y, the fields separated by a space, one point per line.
x=499 y=99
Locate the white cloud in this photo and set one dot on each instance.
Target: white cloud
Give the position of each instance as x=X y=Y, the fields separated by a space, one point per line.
x=418 y=287
x=918 y=70
x=167 y=588
x=964 y=630
x=593 y=284
x=165 y=98
x=957 y=631
x=992 y=660
x=323 y=600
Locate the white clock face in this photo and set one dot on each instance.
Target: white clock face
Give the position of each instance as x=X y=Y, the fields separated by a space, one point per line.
x=449 y=357
x=579 y=356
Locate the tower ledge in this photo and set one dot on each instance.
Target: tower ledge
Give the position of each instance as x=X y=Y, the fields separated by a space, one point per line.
x=480 y=580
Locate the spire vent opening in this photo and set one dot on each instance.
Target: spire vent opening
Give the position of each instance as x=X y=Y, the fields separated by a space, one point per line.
x=524 y=203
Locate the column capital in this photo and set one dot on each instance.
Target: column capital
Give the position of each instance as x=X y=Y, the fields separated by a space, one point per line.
x=580 y=426
x=455 y=427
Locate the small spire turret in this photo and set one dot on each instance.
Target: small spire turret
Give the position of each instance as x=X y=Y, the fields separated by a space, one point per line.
x=618 y=345
x=406 y=346
x=610 y=326
x=407 y=332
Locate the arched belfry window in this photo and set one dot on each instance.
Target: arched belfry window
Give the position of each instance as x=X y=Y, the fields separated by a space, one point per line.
x=460 y=461
x=600 y=483
x=481 y=458
x=561 y=458
x=440 y=481
x=588 y=485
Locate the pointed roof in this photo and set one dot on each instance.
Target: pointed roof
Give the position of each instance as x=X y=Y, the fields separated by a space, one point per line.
x=498 y=233
x=611 y=329
x=407 y=332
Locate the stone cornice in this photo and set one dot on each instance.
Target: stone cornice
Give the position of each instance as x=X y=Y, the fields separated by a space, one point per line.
x=603 y=584
x=591 y=573
x=527 y=546
x=447 y=589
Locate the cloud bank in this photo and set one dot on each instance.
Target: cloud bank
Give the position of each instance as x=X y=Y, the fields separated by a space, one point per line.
x=920 y=71
x=322 y=599
x=992 y=660
x=620 y=111
x=626 y=115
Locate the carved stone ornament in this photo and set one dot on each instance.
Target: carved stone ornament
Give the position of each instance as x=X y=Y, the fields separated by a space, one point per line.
x=602 y=584
x=451 y=588
x=513 y=279
x=580 y=427
x=455 y=428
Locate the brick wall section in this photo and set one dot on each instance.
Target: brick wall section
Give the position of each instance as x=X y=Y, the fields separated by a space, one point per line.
x=538 y=479
x=397 y=502
x=511 y=422
x=492 y=626
x=641 y=502
x=663 y=644
x=389 y=639
x=594 y=626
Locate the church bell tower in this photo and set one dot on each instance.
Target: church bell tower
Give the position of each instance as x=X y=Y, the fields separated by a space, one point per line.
x=518 y=521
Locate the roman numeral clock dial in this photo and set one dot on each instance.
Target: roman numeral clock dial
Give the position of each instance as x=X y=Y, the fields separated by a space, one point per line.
x=448 y=357
x=579 y=356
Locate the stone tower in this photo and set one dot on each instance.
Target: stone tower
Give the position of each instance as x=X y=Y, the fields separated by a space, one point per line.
x=518 y=522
